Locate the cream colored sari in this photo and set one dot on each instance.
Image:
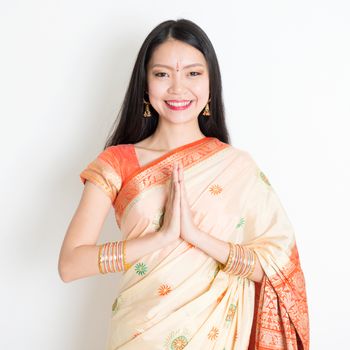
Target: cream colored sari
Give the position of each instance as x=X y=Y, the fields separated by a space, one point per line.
x=177 y=297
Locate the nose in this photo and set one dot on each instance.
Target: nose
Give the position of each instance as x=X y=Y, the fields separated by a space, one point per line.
x=176 y=85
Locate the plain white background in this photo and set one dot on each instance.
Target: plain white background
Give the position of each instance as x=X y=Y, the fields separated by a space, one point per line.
x=64 y=69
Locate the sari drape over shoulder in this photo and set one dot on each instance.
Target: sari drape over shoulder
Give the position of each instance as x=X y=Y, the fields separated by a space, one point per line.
x=178 y=297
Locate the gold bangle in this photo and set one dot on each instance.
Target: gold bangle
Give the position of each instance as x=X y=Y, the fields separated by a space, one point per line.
x=253 y=265
x=247 y=262
x=99 y=258
x=226 y=266
x=237 y=260
x=125 y=264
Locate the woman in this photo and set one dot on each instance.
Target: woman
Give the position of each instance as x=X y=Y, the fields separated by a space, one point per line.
x=208 y=256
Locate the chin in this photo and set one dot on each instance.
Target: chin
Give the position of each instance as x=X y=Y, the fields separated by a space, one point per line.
x=179 y=119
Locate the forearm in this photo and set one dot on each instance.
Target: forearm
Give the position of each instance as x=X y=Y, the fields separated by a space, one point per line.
x=82 y=261
x=219 y=250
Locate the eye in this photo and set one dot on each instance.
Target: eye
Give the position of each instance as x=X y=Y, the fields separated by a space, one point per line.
x=157 y=74
x=197 y=73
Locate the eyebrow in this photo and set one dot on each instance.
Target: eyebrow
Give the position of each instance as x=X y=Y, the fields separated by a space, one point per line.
x=188 y=66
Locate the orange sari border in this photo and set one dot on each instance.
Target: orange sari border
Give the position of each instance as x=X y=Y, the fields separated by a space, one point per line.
x=158 y=171
x=281 y=312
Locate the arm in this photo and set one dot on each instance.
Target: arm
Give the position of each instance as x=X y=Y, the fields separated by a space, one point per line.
x=219 y=250
x=79 y=252
x=216 y=248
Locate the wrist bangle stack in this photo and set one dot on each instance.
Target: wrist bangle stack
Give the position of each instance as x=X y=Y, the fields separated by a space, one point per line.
x=241 y=261
x=111 y=257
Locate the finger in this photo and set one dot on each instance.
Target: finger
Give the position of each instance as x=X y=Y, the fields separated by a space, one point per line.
x=181 y=190
x=172 y=183
x=174 y=172
x=183 y=198
x=176 y=192
x=176 y=178
x=169 y=199
x=176 y=184
x=183 y=194
x=180 y=172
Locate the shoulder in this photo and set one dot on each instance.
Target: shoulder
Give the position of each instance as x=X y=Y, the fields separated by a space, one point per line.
x=109 y=155
x=246 y=161
x=254 y=168
x=122 y=158
x=239 y=154
x=116 y=154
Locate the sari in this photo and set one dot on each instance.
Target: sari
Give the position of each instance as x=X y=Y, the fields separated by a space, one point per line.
x=178 y=297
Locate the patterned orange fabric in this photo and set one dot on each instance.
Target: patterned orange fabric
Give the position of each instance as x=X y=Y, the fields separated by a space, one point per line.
x=281 y=311
x=110 y=169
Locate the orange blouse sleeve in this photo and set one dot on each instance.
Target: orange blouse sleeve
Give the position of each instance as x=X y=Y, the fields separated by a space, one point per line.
x=104 y=171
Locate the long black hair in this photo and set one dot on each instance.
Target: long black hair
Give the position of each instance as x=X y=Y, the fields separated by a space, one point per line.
x=130 y=125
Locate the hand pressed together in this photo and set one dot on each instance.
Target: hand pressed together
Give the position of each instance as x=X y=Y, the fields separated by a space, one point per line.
x=178 y=221
x=187 y=226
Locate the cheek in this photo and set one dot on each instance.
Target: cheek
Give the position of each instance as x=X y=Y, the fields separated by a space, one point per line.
x=201 y=89
x=155 y=89
x=202 y=92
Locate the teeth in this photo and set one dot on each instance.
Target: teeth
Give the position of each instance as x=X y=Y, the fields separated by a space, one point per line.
x=178 y=104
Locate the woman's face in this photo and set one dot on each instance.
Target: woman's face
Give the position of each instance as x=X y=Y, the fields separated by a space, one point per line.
x=178 y=81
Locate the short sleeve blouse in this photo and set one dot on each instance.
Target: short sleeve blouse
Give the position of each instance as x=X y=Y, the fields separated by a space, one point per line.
x=110 y=168
x=104 y=172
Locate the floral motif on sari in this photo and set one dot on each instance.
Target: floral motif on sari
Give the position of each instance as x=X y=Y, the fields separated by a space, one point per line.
x=164 y=289
x=230 y=313
x=141 y=268
x=240 y=223
x=177 y=340
x=264 y=178
x=214 y=333
x=215 y=189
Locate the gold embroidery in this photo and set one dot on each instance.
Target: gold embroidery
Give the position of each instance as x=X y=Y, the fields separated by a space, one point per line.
x=213 y=334
x=164 y=289
x=215 y=189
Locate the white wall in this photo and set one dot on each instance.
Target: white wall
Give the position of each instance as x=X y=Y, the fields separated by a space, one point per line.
x=64 y=68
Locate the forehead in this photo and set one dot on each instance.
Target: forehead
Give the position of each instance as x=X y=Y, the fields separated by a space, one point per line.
x=173 y=51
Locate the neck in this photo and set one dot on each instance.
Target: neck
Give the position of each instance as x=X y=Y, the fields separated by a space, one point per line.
x=167 y=138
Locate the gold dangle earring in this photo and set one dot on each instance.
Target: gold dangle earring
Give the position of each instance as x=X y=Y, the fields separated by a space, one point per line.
x=206 y=110
x=147 y=112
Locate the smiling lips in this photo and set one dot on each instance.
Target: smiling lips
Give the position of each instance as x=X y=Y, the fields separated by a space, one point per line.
x=178 y=104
